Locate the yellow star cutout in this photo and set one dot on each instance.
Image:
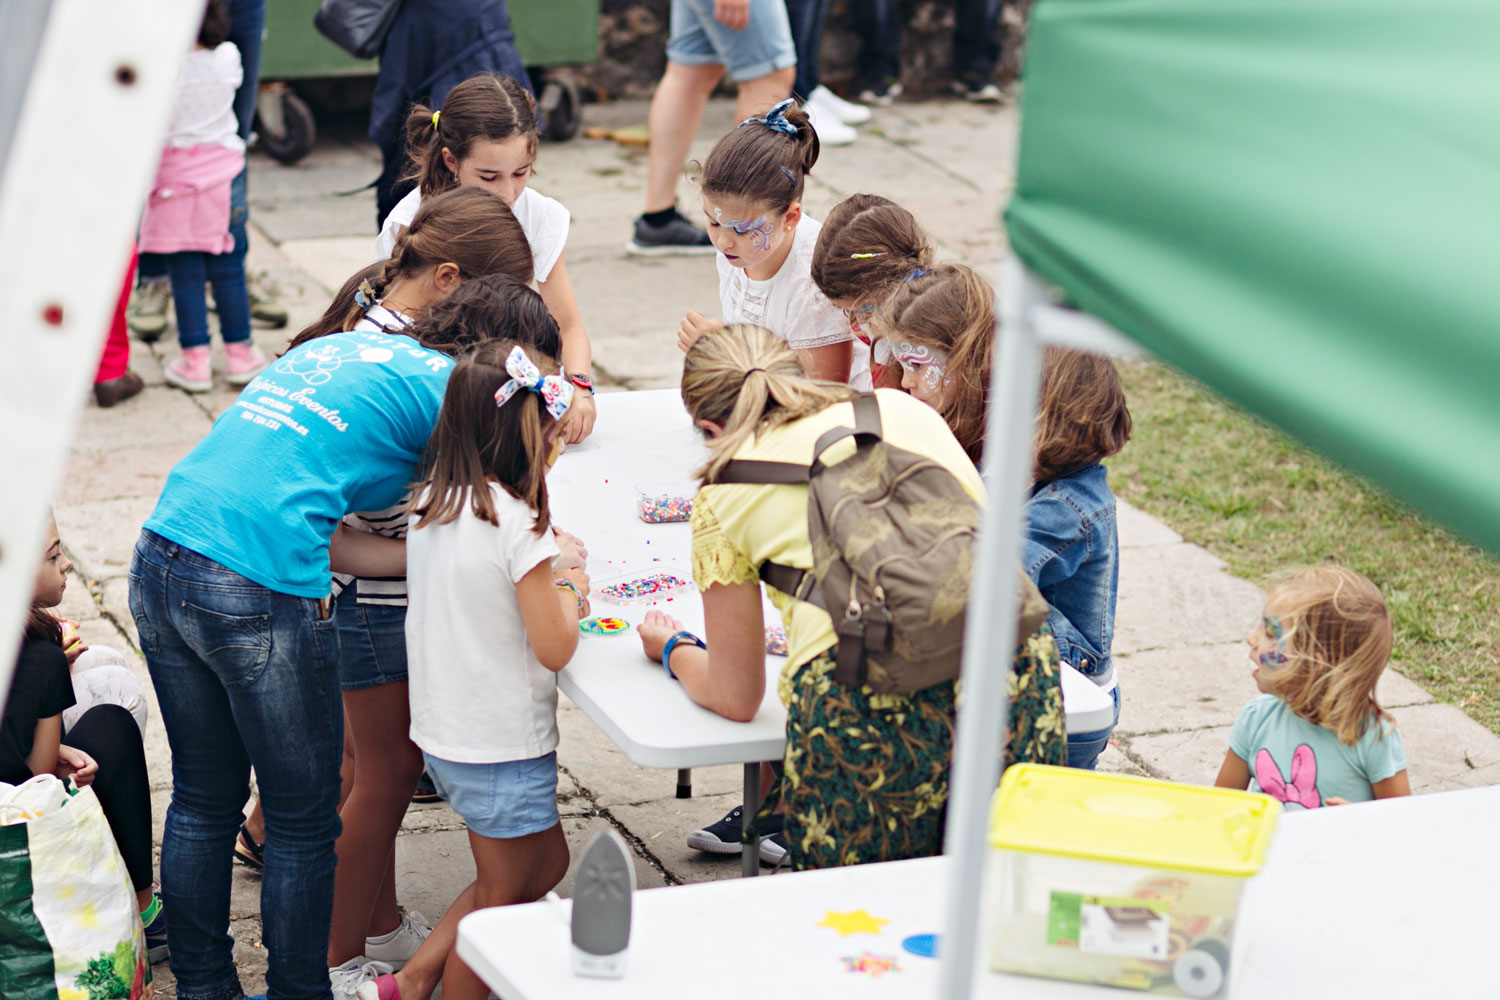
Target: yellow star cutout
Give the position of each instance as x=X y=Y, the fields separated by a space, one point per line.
x=853 y=922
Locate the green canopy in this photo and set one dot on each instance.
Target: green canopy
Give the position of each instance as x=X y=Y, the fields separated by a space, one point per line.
x=1295 y=201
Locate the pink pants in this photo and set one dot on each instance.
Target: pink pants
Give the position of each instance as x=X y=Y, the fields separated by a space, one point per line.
x=116 y=355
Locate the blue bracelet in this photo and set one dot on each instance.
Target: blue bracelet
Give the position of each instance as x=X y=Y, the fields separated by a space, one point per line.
x=666 y=651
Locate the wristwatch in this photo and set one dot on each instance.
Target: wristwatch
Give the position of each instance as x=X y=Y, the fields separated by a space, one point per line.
x=582 y=381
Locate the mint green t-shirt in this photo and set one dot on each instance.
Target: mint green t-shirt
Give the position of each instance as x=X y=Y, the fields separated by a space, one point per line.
x=1304 y=765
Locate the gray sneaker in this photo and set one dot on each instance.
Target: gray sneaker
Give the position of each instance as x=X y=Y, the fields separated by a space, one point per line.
x=676 y=236
x=146 y=315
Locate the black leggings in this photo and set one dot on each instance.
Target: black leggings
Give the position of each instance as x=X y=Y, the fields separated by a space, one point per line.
x=109 y=734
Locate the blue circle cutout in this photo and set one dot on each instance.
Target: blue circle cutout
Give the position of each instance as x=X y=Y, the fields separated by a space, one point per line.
x=925 y=945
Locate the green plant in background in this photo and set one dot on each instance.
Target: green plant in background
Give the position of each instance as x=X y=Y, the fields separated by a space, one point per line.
x=1267 y=507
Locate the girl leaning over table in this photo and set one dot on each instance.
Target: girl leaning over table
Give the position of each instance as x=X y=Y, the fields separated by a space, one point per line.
x=866 y=774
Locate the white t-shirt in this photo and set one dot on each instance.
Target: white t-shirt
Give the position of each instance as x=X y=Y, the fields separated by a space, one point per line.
x=789 y=303
x=203 y=109
x=478 y=693
x=544 y=221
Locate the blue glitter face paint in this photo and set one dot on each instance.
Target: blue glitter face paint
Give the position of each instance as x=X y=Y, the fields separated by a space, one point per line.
x=758 y=229
x=1276 y=656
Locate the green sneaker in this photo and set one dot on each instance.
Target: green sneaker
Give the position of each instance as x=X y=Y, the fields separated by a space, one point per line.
x=146 y=315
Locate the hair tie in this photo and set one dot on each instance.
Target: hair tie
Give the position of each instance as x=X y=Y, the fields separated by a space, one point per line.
x=866 y=256
x=556 y=391
x=775 y=119
x=364 y=295
x=918 y=273
x=751 y=371
x=435 y=116
x=791 y=178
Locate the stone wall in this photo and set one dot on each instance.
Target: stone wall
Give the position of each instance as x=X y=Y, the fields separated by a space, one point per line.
x=633 y=41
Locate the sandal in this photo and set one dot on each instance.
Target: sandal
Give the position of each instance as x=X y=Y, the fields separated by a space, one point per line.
x=247 y=852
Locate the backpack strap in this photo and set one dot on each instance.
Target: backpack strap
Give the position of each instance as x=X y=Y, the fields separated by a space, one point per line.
x=866 y=430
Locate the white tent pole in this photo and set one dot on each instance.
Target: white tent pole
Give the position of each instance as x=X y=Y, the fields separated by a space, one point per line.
x=87 y=139
x=990 y=631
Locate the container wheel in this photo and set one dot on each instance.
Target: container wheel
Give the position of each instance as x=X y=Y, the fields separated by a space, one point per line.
x=561 y=107
x=284 y=124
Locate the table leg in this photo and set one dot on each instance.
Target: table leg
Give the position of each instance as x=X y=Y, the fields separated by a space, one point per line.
x=750 y=856
x=684 y=782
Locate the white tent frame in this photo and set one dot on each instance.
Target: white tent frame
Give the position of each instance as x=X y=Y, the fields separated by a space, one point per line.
x=1029 y=323
x=85 y=147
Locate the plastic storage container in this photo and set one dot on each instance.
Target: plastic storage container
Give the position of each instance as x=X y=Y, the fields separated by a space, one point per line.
x=1120 y=881
x=661 y=503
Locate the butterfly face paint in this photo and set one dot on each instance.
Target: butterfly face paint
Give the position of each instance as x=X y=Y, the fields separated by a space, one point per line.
x=925 y=371
x=758 y=229
x=1275 y=655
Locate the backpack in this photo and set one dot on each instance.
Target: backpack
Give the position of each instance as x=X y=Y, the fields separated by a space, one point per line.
x=892 y=537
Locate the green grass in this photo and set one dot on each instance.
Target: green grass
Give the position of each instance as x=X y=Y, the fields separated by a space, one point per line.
x=1267 y=506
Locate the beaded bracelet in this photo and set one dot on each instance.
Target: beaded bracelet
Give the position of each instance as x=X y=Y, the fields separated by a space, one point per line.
x=561 y=584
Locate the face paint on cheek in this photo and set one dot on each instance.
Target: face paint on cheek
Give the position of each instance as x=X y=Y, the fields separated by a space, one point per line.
x=759 y=229
x=1277 y=655
x=930 y=367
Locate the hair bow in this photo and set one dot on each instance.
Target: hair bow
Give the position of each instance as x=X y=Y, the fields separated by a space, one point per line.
x=556 y=391
x=364 y=295
x=775 y=119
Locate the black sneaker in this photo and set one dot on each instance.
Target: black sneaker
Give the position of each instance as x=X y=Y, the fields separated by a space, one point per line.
x=675 y=236
x=723 y=837
x=880 y=94
x=977 y=91
x=156 y=938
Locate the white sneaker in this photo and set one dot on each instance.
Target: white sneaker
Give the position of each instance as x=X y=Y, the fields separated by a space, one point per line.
x=347 y=978
x=849 y=114
x=831 y=131
x=396 y=948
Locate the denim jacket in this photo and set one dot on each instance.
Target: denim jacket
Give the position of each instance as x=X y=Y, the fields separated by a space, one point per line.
x=1073 y=555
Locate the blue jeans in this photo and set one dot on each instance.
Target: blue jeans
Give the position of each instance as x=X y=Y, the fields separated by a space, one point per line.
x=247 y=26
x=245 y=676
x=806 y=18
x=226 y=272
x=1084 y=748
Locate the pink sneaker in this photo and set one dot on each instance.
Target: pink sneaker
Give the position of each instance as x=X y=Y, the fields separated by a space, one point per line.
x=244 y=362
x=191 y=371
x=383 y=988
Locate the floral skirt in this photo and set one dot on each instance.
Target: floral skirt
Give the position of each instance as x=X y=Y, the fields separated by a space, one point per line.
x=866 y=774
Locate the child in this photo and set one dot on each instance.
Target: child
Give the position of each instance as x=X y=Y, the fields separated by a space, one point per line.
x=485 y=136
x=752 y=185
x=938 y=325
x=104 y=746
x=187 y=214
x=1317 y=736
x=868 y=247
x=490 y=623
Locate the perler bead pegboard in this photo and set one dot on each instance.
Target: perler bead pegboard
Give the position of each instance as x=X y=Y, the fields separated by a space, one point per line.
x=603 y=626
x=647 y=589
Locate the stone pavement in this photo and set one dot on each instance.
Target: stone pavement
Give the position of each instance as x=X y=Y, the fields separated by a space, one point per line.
x=1181 y=619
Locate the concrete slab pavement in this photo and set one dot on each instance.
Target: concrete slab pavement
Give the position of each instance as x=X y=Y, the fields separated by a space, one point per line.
x=1181 y=619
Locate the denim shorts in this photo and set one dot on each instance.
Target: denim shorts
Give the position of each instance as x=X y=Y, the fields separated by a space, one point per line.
x=372 y=642
x=764 y=47
x=499 y=801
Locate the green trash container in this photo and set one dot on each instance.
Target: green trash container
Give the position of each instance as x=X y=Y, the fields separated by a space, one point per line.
x=550 y=34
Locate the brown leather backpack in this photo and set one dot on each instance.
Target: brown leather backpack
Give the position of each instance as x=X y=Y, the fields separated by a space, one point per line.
x=893 y=541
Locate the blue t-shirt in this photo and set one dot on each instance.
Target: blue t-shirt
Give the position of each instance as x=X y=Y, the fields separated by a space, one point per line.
x=335 y=426
x=1304 y=765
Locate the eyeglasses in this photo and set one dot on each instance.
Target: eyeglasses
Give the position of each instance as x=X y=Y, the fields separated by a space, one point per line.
x=852 y=311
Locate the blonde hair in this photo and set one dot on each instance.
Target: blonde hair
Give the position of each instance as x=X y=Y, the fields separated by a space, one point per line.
x=745 y=379
x=1336 y=637
x=952 y=309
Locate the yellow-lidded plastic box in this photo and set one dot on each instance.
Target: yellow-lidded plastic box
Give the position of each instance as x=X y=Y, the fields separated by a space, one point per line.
x=1122 y=881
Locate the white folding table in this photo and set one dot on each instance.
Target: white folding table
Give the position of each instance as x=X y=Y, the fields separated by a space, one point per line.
x=647 y=438
x=1378 y=900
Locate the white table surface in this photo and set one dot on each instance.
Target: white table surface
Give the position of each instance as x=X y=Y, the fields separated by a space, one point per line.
x=1380 y=900
x=647 y=437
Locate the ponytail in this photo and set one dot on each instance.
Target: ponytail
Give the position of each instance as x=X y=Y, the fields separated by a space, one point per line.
x=484 y=108
x=764 y=161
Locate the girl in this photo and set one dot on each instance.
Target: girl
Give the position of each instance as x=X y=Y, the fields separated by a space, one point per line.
x=752 y=184
x=491 y=623
x=866 y=775
x=1317 y=736
x=104 y=745
x=941 y=326
x=230 y=584
x=187 y=215
x=485 y=136
x=868 y=247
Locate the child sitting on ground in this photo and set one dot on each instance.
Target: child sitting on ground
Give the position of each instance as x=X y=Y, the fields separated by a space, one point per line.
x=490 y=622
x=1317 y=735
x=753 y=183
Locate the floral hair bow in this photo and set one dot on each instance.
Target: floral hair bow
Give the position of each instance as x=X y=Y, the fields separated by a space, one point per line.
x=775 y=119
x=555 y=390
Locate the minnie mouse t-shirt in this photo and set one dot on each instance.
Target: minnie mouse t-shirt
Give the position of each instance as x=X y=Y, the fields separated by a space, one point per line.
x=1304 y=765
